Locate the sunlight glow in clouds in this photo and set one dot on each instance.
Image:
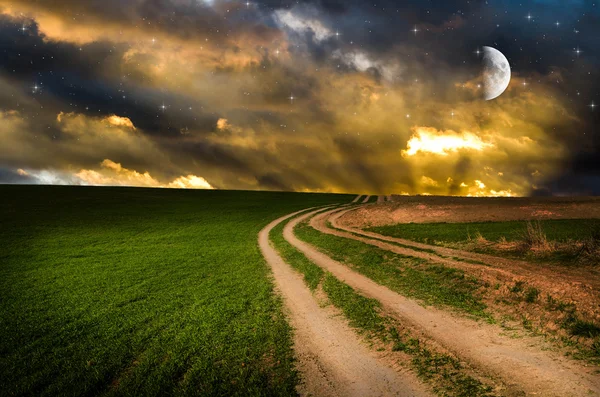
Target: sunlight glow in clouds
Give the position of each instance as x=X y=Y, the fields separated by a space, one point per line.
x=430 y=140
x=114 y=174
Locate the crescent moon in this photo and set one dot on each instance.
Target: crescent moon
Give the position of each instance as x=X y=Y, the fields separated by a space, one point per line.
x=496 y=73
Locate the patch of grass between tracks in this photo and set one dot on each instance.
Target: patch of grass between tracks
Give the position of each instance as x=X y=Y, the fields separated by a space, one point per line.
x=413 y=277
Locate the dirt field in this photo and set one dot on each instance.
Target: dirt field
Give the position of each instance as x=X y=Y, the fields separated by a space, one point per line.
x=428 y=209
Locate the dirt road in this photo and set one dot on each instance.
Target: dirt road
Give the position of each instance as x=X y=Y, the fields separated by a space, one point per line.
x=520 y=363
x=573 y=284
x=331 y=358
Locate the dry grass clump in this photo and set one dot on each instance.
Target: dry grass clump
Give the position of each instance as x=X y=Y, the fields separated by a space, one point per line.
x=534 y=239
x=589 y=252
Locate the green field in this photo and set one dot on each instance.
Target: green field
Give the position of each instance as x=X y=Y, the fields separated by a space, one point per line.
x=561 y=230
x=125 y=291
x=557 y=241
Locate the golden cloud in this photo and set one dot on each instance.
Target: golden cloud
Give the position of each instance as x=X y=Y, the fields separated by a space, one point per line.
x=114 y=174
x=430 y=140
x=190 y=182
x=119 y=121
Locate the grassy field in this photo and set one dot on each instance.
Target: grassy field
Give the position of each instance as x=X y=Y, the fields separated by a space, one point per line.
x=124 y=291
x=556 y=230
x=564 y=241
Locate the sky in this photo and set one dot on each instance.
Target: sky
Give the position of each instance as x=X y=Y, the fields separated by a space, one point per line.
x=373 y=97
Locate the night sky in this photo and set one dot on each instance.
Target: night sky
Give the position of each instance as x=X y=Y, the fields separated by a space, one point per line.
x=375 y=97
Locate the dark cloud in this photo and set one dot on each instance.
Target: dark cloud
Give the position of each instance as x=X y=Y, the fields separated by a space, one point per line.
x=354 y=91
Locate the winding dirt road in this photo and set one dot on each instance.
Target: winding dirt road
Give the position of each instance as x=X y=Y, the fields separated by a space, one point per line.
x=331 y=358
x=519 y=363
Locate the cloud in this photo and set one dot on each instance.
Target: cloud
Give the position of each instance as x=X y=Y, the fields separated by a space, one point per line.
x=114 y=174
x=294 y=21
x=120 y=121
x=429 y=140
x=190 y=182
x=363 y=62
x=376 y=110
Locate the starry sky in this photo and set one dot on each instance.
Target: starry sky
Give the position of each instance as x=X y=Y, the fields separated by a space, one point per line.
x=375 y=97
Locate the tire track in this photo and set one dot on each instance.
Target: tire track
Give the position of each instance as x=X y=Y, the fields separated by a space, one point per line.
x=579 y=286
x=331 y=358
x=517 y=362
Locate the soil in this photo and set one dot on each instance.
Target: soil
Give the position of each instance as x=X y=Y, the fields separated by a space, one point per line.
x=523 y=364
x=331 y=359
x=431 y=209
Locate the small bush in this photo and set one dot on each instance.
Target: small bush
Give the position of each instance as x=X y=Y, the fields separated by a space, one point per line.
x=585 y=328
x=518 y=287
x=534 y=238
x=532 y=295
x=596 y=347
x=527 y=324
x=590 y=248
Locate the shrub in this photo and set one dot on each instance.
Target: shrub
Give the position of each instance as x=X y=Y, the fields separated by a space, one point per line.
x=532 y=294
x=534 y=238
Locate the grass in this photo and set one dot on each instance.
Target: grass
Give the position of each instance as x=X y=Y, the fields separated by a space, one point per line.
x=433 y=284
x=313 y=274
x=561 y=230
x=124 y=291
x=431 y=364
x=364 y=314
x=562 y=241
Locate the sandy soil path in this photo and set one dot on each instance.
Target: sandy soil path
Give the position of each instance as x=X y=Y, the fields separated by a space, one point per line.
x=357 y=198
x=331 y=358
x=518 y=362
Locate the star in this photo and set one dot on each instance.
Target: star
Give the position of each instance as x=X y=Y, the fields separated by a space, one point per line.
x=337 y=34
x=23 y=28
x=153 y=40
x=408 y=116
x=478 y=52
x=592 y=105
x=557 y=23
x=415 y=30
x=291 y=98
x=577 y=51
x=163 y=107
x=529 y=17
